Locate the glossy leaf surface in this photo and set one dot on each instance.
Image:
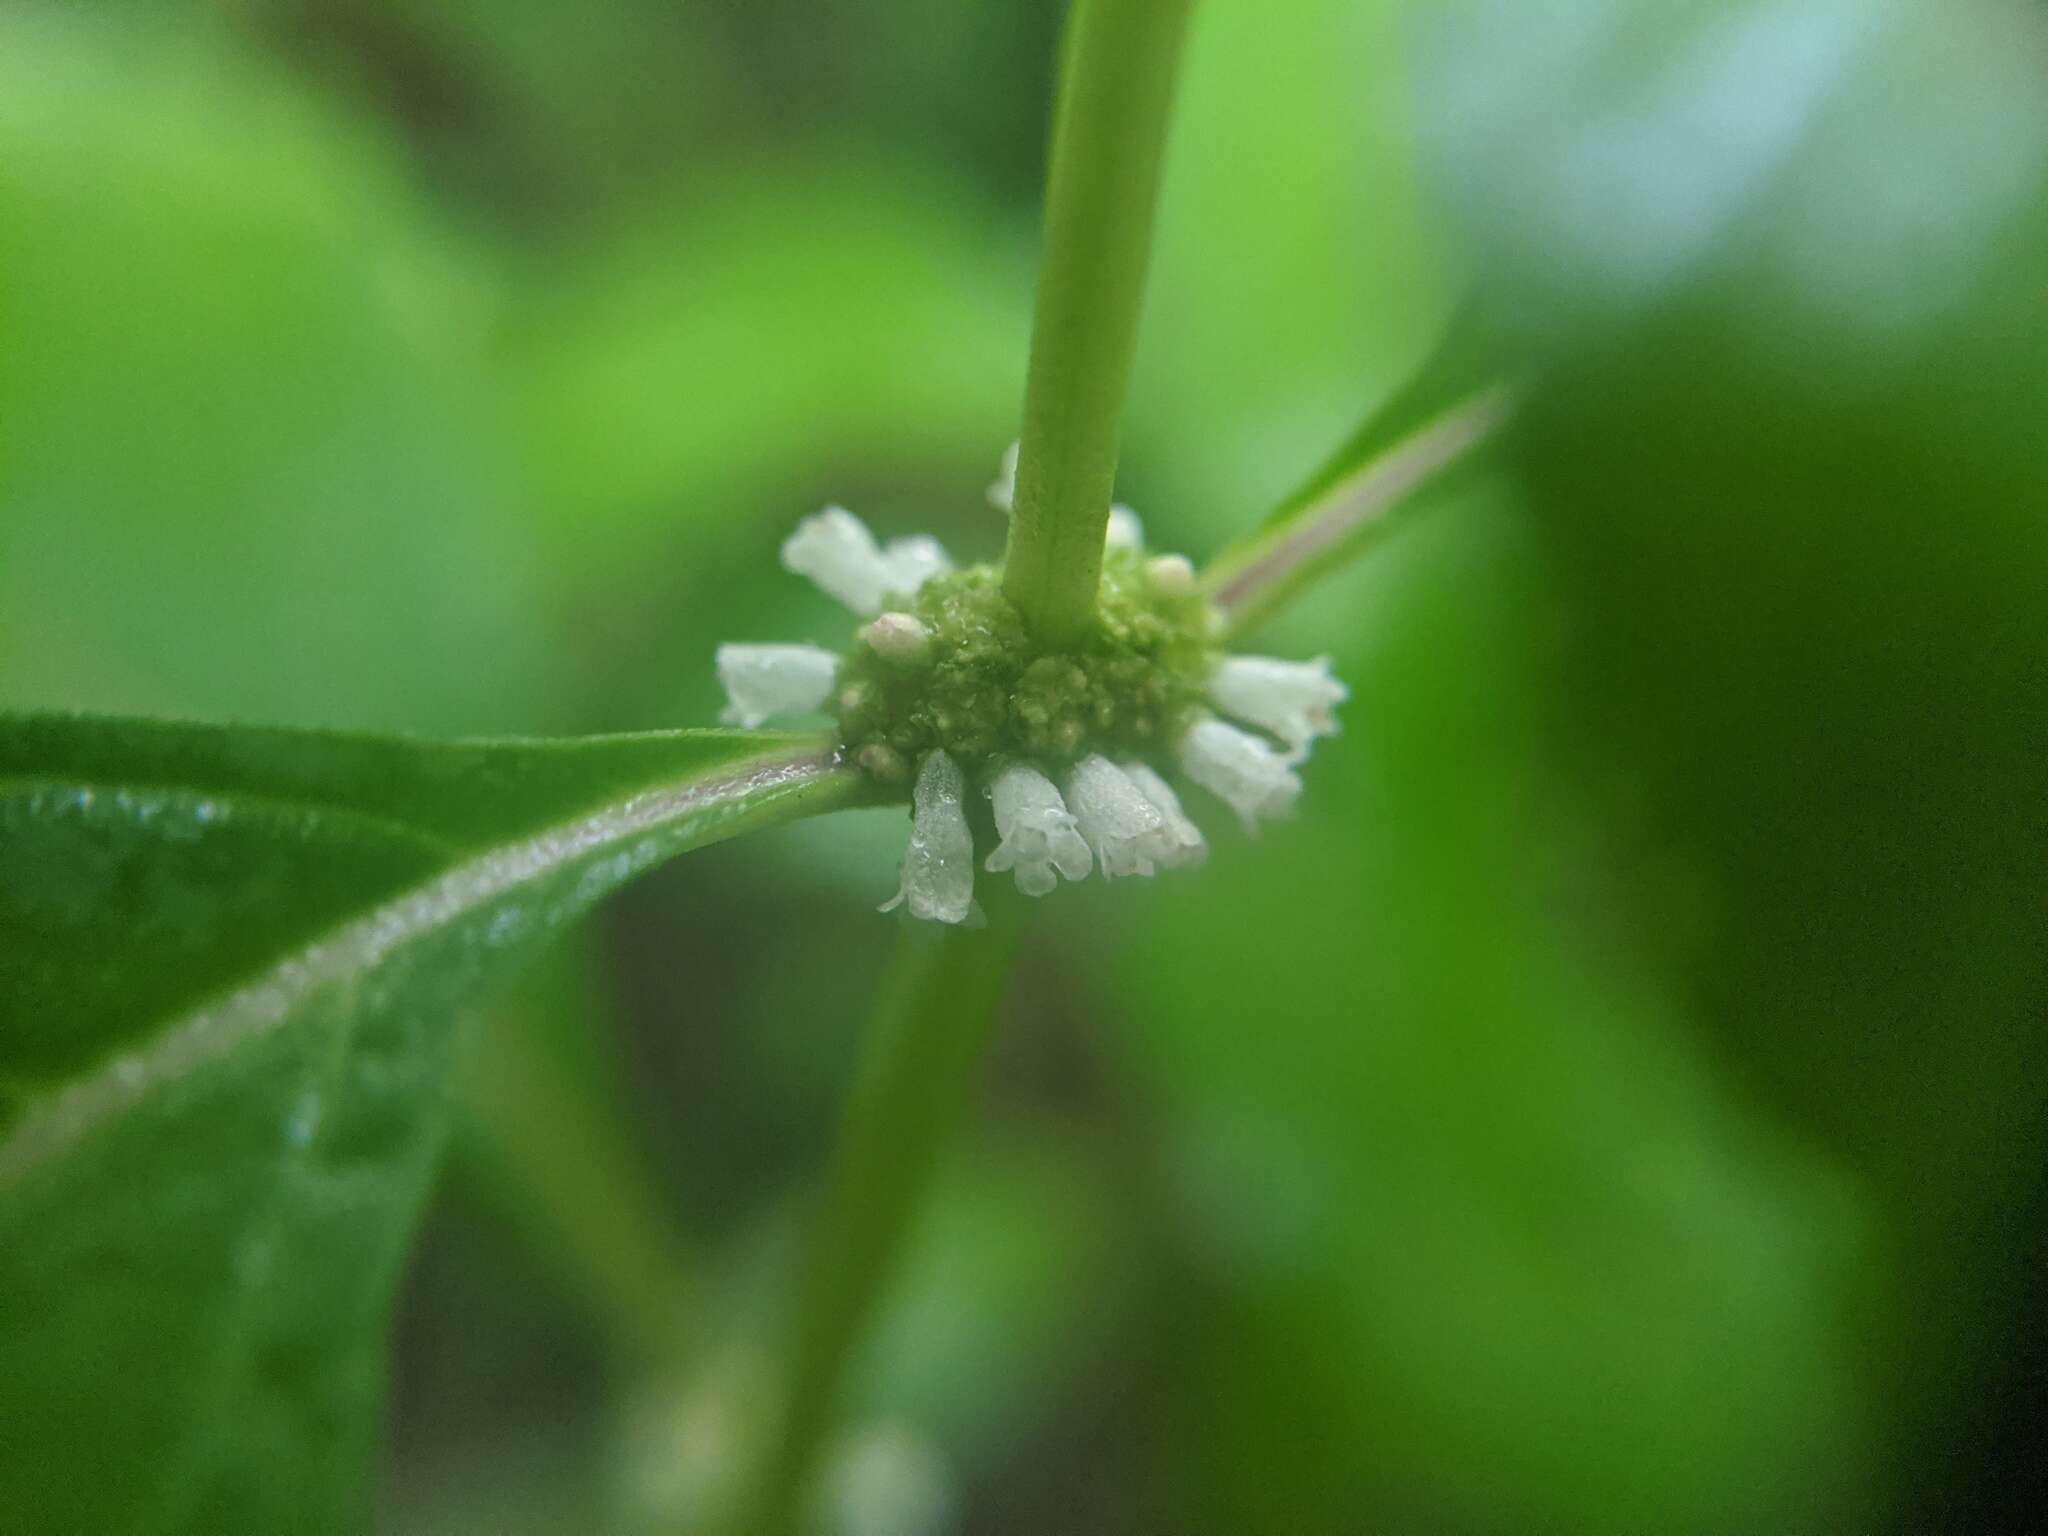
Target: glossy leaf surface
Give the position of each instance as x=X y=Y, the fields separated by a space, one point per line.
x=231 y=962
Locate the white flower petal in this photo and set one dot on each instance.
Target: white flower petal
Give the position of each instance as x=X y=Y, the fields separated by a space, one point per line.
x=1292 y=699
x=1240 y=769
x=938 y=864
x=1038 y=835
x=1125 y=531
x=835 y=549
x=1126 y=830
x=763 y=681
x=1002 y=491
x=1186 y=847
x=912 y=562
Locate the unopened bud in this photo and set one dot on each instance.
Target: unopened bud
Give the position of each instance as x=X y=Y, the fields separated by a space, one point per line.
x=884 y=763
x=1171 y=575
x=899 y=638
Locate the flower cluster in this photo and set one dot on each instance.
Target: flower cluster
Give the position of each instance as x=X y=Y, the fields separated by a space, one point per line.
x=942 y=690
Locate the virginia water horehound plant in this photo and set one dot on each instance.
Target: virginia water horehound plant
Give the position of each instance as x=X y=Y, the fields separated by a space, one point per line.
x=1753 y=352
x=237 y=955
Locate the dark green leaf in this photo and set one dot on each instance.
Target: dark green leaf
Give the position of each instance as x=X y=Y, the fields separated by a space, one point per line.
x=1776 y=270
x=1475 y=1201
x=229 y=964
x=1654 y=1137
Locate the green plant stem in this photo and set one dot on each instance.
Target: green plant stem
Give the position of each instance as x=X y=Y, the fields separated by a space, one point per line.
x=542 y=1131
x=915 y=1074
x=1109 y=136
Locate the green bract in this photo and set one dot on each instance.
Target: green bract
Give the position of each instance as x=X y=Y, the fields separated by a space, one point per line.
x=982 y=690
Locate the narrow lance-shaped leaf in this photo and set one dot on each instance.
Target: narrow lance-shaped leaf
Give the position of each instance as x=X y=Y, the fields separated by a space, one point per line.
x=1414 y=442
x=230 y=965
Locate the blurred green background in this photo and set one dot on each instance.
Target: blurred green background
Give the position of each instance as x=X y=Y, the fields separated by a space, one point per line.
x=1615 y=1103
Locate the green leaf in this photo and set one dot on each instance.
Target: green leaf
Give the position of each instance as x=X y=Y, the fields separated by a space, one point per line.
x=1482 y=1204
x=230 y=962
x=1411 y=450
x=1655 y=1138
x=1776 y=271
x=248 y=466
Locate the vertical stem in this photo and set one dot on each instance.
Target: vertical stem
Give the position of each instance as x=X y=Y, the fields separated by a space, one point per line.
x=1109 y=136
x=915 y=1074
x=1108 y=139
x=555 y=1145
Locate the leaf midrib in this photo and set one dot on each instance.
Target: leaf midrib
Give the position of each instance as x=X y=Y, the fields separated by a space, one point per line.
x=249 y=1009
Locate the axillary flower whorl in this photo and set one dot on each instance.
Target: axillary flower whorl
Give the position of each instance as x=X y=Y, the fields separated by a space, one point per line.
x=1050 y=761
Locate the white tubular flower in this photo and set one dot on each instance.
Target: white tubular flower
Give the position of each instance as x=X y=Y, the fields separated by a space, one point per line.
x=959 y=674
x=1240 y=769
x=1292 y=699
x=1002 y=491
x=1187 y=845
x=938 y=865
x=764 y=681
x=835 y=549
x=913 y=561
x=1038 y=836
x=1127 y=831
